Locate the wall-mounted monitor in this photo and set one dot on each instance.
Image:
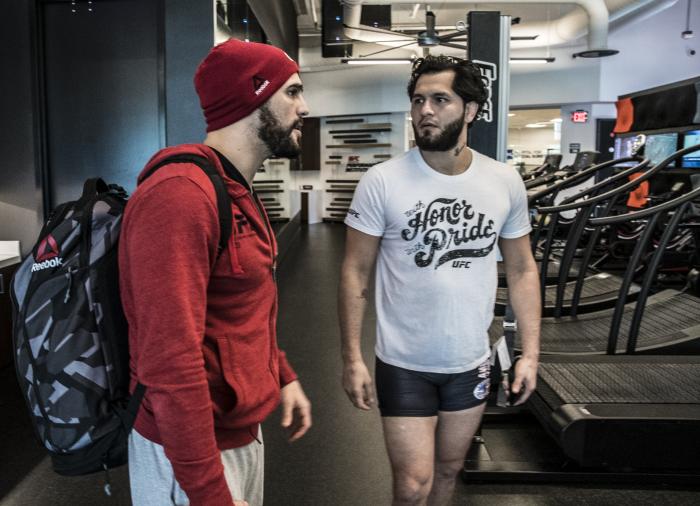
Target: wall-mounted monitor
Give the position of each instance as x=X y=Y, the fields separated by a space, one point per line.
x=623 y=149
x=691 y=138
x=658 y=147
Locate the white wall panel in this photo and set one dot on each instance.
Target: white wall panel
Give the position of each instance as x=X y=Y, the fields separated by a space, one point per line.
x=652 y=52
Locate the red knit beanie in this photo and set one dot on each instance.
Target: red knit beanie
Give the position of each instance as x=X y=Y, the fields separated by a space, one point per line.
x=238 y=77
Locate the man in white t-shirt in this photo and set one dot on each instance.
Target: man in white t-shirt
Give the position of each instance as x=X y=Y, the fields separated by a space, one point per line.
x=434 y=219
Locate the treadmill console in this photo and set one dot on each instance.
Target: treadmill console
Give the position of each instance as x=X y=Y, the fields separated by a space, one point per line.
x=553 y=161
x=585 y=159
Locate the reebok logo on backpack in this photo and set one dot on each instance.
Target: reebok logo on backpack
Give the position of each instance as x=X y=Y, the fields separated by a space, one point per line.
x=47 y=255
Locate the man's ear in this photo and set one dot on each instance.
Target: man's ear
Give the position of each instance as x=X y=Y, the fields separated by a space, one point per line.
x=470 y=112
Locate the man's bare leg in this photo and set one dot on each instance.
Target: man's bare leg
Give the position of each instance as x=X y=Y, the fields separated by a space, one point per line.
x=410 y=443
x=455 y=430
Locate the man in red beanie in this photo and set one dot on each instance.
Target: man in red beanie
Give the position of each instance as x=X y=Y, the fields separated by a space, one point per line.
x=202 y=322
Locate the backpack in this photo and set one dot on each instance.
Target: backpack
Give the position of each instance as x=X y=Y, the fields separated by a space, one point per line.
x=70 y=332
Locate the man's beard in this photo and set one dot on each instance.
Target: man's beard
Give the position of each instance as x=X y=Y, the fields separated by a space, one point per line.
x=277 y=138
x=446 y=140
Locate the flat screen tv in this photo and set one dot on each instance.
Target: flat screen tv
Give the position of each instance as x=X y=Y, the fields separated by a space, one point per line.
x=691 y=138
x=660 y=146
x=623 y=149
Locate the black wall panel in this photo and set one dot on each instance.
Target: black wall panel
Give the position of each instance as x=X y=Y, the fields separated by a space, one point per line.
x=675 y=107
x=21 y=211
x=483 y=38
x=103 y=103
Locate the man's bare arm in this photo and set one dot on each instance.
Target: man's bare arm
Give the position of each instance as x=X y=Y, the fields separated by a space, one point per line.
x=360 y=255
x=524 y=297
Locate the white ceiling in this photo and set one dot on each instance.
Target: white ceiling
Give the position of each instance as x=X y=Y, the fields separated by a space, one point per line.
x=547 y=21
x=523 y=117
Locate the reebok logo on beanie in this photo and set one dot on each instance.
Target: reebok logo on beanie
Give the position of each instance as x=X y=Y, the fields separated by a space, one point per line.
x=259 y=84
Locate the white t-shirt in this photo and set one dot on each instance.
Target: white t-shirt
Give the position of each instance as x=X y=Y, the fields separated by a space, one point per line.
x=436 y=268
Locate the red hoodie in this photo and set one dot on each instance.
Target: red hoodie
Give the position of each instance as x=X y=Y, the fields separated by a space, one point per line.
x=202 y=332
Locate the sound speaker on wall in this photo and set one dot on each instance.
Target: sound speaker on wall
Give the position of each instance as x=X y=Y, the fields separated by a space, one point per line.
x=332 y=30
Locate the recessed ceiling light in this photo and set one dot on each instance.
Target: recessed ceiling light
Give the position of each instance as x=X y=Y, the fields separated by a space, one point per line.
x=535 y=125
x=510 y=114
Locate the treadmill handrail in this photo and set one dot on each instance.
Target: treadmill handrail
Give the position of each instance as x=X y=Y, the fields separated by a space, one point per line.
x=573 y=202
x=535 y=173
x=632 y=184
x=643 y=213
x=650 y=277
x=540 y=180
x=607 y=181
x=575 y=178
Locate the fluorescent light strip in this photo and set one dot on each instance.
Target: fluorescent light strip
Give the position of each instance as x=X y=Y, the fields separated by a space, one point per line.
x=531 y=61
x=376 y=61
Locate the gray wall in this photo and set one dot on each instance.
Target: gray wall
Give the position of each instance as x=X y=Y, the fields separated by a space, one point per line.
x=189 y=35
x=654 y=52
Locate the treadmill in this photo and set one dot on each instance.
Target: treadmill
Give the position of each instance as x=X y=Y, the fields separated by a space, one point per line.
x=631 y=418
x=584 y=290
x=672 y=319
x=583 y=161
x=626 y=411
x=622 y=412
x=581 y=170
x=550 y=164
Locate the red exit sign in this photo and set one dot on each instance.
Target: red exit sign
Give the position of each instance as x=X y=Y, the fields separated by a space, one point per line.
x=579 y=116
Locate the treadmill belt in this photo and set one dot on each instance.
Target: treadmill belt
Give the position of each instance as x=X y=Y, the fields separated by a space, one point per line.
x=593 y=286
x=670 y=317
x=552 y=269
x=623 y=383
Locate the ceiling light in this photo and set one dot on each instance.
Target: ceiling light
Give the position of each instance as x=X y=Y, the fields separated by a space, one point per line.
x=511 y=114
x=376 y=61
x=555 y=120
x=536 y=125
x=532 y=60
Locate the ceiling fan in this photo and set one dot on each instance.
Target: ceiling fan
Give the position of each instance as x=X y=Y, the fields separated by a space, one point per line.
x=427 y=39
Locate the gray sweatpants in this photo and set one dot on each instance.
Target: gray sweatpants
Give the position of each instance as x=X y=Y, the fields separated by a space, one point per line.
x=153 y=482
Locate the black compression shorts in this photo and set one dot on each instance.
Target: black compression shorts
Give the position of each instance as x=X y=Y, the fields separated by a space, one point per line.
x=402 y=392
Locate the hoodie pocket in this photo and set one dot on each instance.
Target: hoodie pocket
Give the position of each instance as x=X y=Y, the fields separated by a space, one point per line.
x=244 y=364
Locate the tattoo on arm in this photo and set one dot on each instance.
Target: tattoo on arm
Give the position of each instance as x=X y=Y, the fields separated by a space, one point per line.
x=364 y=294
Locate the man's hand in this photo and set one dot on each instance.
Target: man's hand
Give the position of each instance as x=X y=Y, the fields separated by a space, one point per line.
x=525 y=379
x=296 y=410
x=357 y=383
